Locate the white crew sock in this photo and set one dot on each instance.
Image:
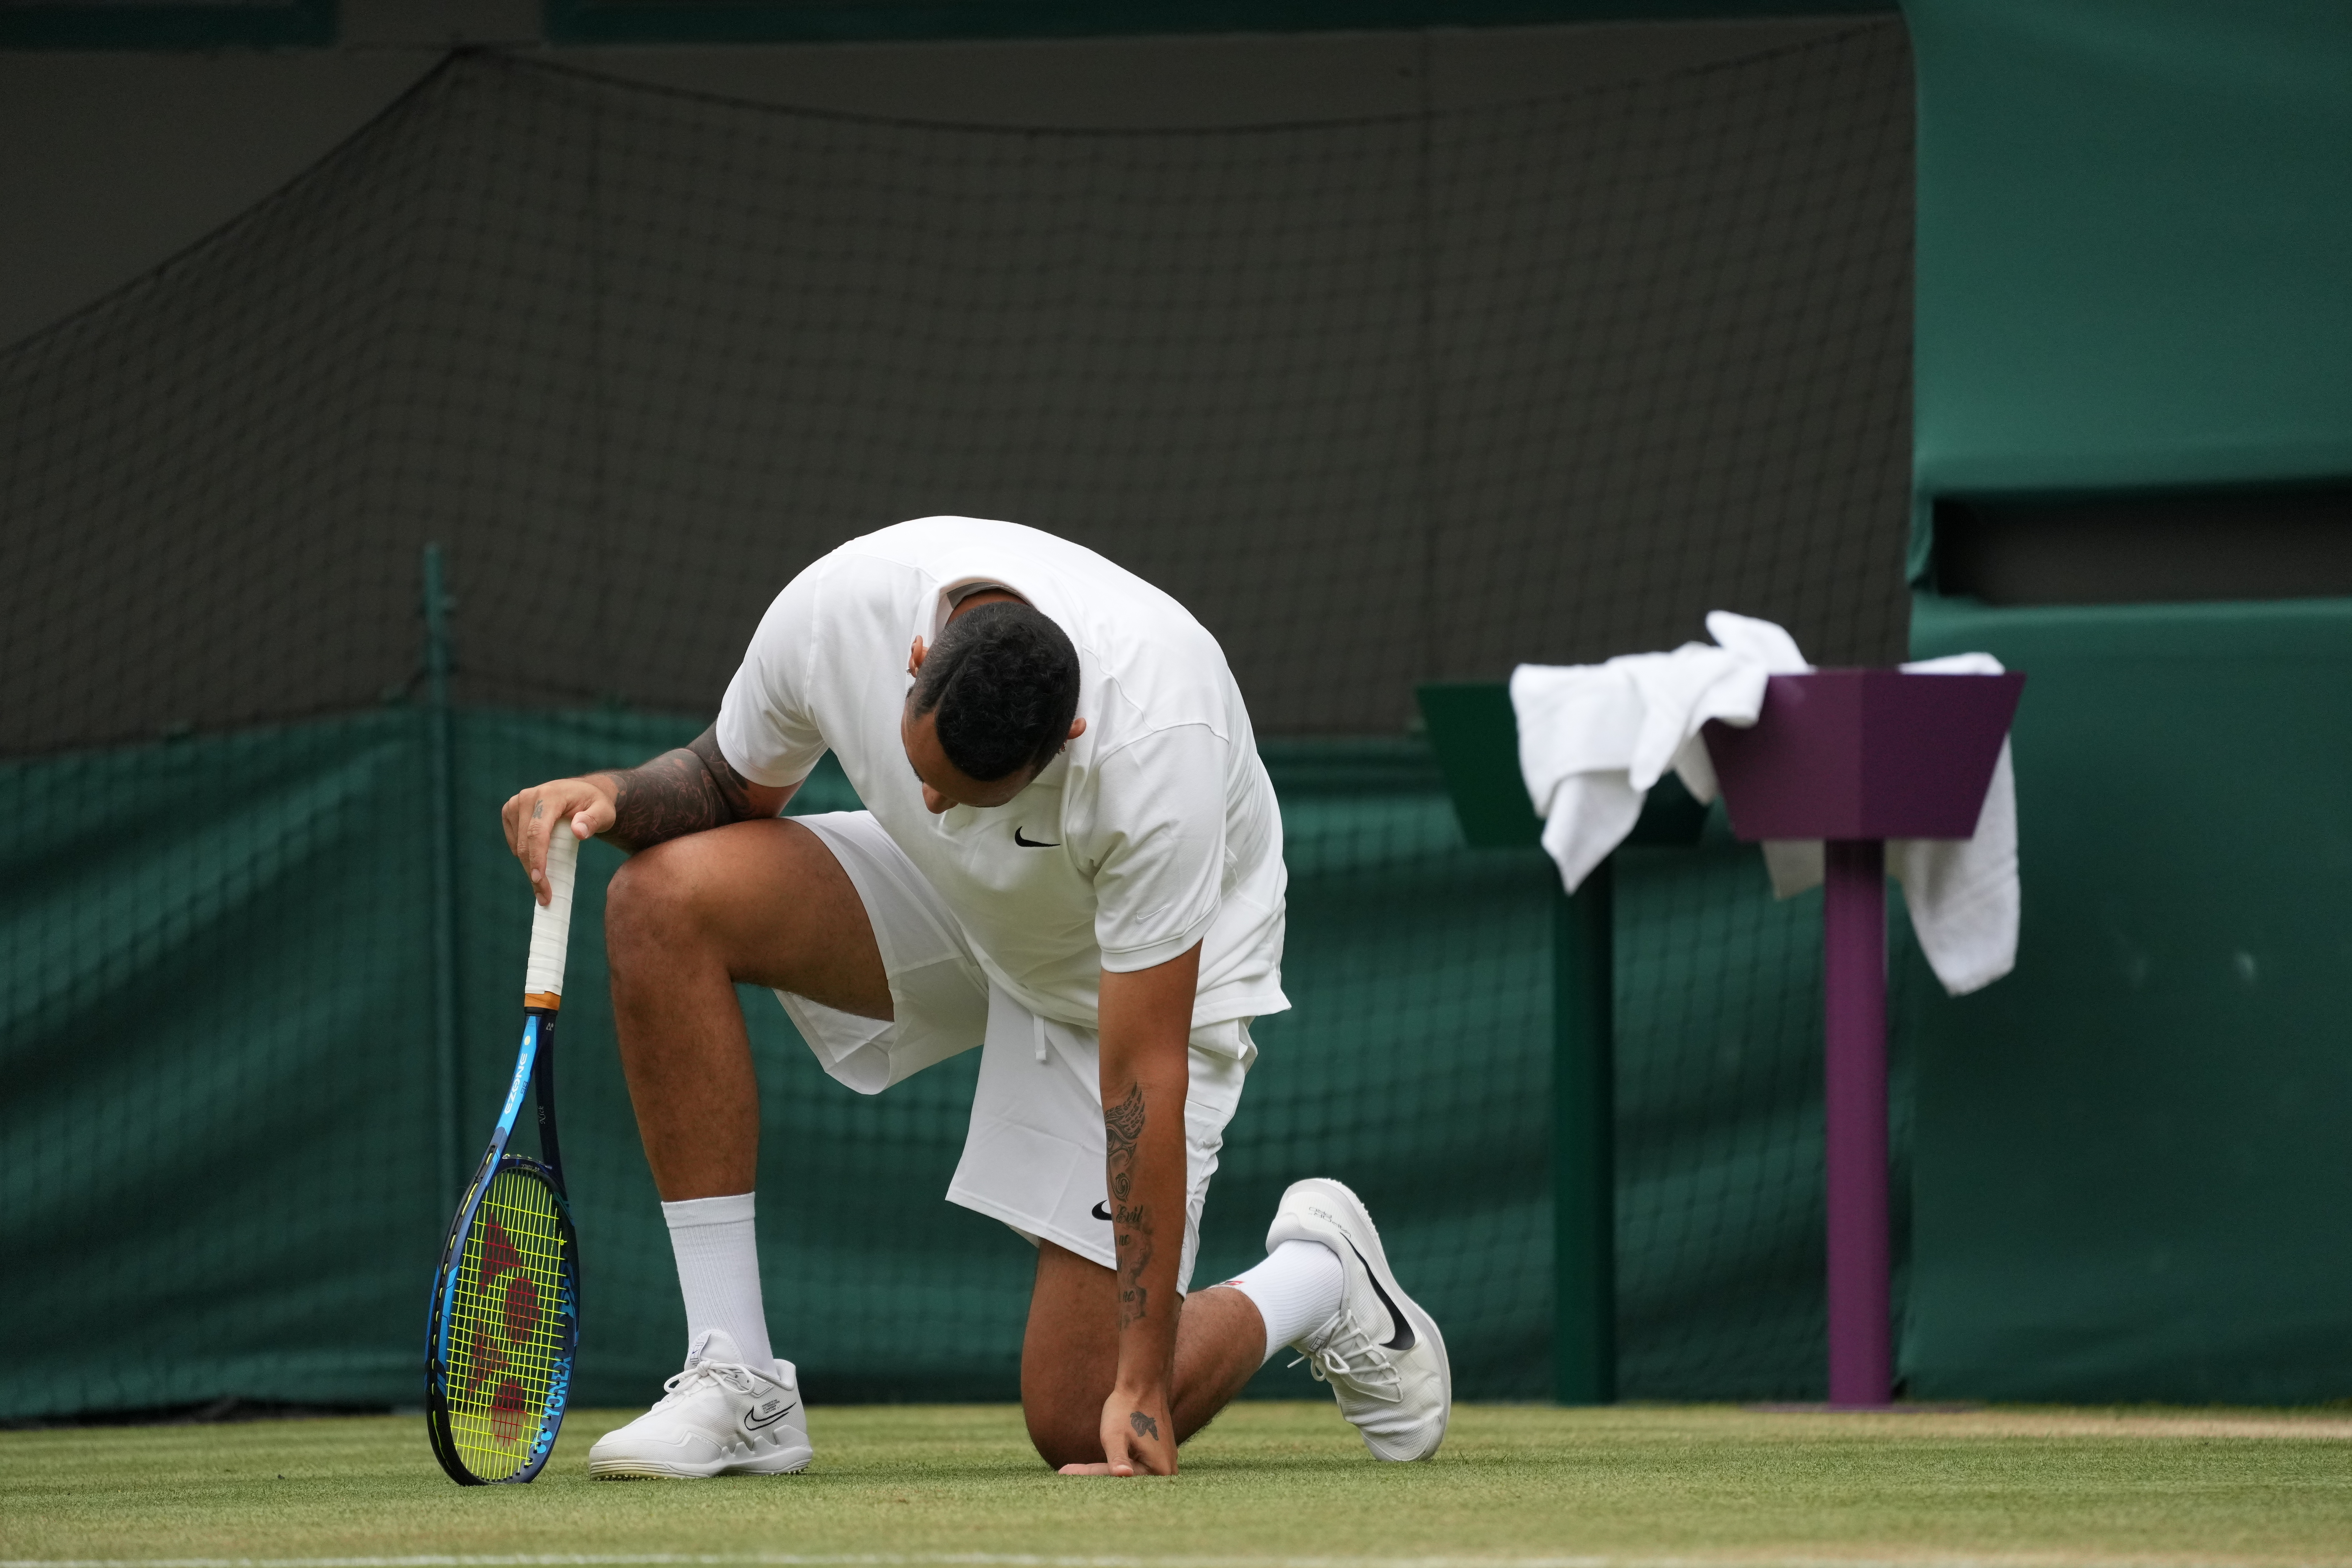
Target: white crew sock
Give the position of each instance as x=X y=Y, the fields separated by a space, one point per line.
x=718 y=1250
x=1297 y=1289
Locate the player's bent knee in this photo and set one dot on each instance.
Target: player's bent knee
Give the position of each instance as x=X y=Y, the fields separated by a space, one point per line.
x=649 y=905
x=1066 y=1436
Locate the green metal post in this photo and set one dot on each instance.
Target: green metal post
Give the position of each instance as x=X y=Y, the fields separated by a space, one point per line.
x=441 y=765
x=1583 y=1154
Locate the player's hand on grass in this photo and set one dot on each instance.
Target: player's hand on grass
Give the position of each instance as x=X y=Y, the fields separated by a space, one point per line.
x=532 y=815
x=1139 y=1436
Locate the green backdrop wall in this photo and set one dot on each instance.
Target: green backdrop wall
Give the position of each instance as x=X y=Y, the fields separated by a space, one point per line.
x=2134 y=231
x=2130 y=1178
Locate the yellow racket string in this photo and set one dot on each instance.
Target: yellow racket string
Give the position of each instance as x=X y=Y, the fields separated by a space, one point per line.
x=505 y=1325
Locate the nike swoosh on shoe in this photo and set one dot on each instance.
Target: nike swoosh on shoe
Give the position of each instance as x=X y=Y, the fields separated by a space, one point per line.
x=1403 y=1340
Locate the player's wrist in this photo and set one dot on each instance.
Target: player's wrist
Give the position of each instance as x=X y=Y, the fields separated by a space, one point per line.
x=1150 y=1392
x=602 y=807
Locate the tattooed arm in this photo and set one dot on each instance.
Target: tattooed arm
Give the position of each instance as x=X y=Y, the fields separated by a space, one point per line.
x=680 y=792
x=1147 y=1023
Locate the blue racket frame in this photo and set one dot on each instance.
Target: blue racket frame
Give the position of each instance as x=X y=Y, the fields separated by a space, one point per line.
x=534 y=1061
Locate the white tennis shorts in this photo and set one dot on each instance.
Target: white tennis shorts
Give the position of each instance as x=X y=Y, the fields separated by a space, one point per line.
x=1033 y=1156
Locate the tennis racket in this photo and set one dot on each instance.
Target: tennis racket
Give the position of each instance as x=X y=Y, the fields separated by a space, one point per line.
x=505 y=1318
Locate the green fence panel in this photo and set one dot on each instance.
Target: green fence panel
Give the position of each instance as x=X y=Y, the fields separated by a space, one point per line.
x=1720 y=1261
x=215 y=1035
x=226 y=1128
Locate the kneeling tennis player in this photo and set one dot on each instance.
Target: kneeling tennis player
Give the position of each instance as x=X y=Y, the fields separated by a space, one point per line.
x=1071 y=857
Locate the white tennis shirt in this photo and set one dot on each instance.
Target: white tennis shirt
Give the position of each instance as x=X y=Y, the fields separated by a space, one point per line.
x=1154 y=830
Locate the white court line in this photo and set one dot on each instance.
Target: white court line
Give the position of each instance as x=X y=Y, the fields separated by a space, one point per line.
x=882 y=1560
x=1023 y=1560
x=849 y=1559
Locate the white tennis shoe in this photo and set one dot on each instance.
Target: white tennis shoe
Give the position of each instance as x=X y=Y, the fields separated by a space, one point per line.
x=720 y=1416
x=1382 y=1354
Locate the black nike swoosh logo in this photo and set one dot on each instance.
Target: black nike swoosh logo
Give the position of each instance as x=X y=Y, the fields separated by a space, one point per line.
x=756 y=1422
x=1404 y=1340
x=1101 y=1212
x=1036 y=844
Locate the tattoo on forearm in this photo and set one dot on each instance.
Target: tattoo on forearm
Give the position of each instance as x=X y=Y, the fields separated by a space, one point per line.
x=681 y=792
x=1145 y=1426
x=663 y=799
x=1132 y=1228
x=1122 y=1125
x=1131 y=1237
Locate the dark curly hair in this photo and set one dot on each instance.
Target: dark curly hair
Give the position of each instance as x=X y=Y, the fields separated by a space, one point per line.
x=1004 y=681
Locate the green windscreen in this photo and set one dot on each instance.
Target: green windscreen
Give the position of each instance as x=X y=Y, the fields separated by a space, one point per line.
x=223 y=1125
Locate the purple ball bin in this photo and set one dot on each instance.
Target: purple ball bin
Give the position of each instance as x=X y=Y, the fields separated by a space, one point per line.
x=1855 y=757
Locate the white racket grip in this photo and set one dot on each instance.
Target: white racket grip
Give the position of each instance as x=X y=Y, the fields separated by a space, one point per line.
x=551 y=924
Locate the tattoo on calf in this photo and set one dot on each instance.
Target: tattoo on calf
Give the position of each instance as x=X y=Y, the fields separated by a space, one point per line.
x=1145 y=1426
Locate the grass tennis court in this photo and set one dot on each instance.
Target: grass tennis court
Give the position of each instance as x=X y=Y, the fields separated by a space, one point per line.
x=1267 y=1481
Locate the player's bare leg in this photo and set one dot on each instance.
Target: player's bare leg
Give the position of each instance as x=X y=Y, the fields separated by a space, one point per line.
x=760 y=902
x=1069 y=1356
x=763 y=902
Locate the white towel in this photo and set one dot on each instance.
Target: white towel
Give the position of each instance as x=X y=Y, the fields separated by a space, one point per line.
x=1593 y=739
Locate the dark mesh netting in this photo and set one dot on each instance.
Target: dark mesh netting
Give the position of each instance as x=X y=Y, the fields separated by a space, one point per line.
x=1383 y=401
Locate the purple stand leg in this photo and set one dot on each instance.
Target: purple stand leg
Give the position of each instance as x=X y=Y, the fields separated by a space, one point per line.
x=1853 y=931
